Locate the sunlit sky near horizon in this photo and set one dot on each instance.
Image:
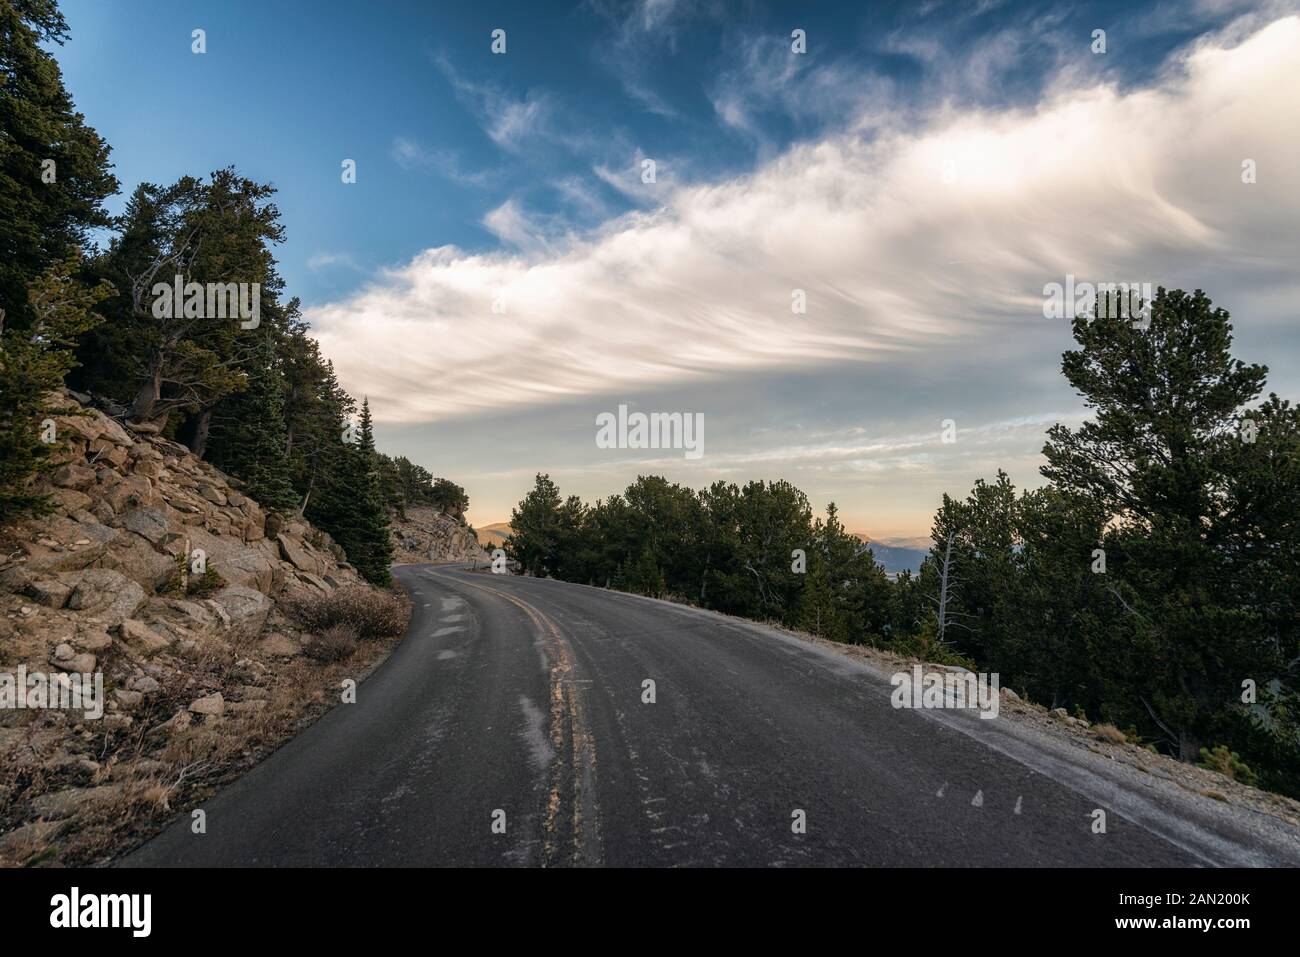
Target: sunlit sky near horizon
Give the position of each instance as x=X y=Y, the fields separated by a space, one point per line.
x=921 y=172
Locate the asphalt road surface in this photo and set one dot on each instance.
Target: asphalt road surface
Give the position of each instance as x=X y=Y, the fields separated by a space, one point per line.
x=510 y=727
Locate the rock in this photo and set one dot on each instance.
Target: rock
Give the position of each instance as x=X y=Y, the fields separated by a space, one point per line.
x=144 y=684
x=22 y=842
x=316 y=581
x=1060 y=713
x=192 y=613
x=49 y=553
x=212 y=494
x=107 y=594
x=70 y=500
x=57 y=805
x=132 y=491
x=150 y=523
x=95 y=640
x=127 y=699
x=177 y=722
x=73 y=476
x=254 y=528
x=48 y=592
x=108 y=429
x=279 y=646
x=117 y=722
x=297 y=553
x=79 y=664
x=64 y=652
x=248 y=608
x=213 y=704
x=141 y=562
x=1008 y=693
x=142 y=638
x=238 y=563
x=219 y=612
x=105 y=451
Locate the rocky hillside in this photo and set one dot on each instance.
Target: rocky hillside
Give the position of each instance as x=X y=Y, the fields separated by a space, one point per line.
x=201 y=666
x=429 y=535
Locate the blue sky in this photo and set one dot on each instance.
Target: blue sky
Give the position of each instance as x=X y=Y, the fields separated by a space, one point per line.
x=961 y=149
x=287 y=90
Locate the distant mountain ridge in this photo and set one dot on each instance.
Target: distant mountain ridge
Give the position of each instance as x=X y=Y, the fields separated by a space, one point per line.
x=895 y=558
x=492 y=536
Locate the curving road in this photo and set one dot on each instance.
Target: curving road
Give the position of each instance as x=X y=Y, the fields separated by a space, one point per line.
x=517 y=704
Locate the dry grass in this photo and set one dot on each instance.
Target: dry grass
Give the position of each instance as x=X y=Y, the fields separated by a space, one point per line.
x=1108 y=732
x=369 y=612
x=335 y=643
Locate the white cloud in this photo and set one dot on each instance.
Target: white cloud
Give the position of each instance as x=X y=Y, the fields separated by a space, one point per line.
x=511 y=122
x=412 y=155
x=510 y=224
x=325 y=260
x=897 y=262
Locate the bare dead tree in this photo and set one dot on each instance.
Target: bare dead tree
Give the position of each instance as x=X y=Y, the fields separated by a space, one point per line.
x=947 y=591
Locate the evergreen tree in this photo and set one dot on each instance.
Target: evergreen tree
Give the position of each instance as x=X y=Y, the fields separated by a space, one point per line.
x=818 y=613
x=351 y=506
x=33 y=361
x=316 y=408
x=250 y=440
x=217 y=231
x=1157 y=459
x=534 y=524
x=54 y=170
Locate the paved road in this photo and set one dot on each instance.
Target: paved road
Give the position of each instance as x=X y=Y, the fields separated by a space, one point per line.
x=520 y=701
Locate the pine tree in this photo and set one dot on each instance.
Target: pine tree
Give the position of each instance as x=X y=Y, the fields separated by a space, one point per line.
x=534 y=528
x=1157 y=457
x=351 y=505
x=817 y=612
x=33 y=362
x=54 y=170
x=250 y=441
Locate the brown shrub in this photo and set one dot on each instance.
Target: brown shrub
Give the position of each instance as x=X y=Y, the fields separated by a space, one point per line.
x=1108 y=732
x=369 y=612
x=335 y=643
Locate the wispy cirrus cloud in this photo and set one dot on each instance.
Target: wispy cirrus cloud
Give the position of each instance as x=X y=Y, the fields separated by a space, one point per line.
x=511 y=121
x=412 y=155
x=328 y=260
x=928 y=236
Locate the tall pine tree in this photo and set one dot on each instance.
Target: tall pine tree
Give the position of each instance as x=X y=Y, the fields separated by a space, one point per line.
x=249 y=441
x=33 y=361
x=54 y=170
x=351 y=505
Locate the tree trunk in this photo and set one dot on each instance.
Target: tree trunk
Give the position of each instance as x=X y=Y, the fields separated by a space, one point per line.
x=148 y=396
x=199 y=443
x=943 y=588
